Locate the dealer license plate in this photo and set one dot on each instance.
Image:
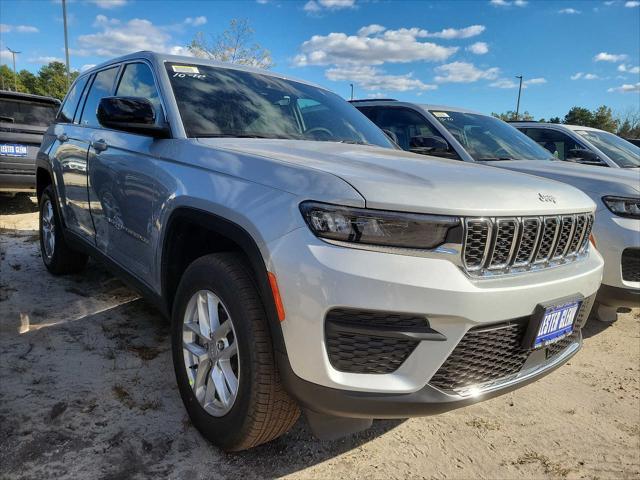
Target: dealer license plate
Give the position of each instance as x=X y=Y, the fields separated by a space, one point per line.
x=13 y=150
x=556 y=324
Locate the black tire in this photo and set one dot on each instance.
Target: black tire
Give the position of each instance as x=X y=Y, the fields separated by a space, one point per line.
x=262 y=409
x=64 y=259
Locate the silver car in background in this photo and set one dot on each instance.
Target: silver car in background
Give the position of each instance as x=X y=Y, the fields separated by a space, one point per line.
x=461 y=134
x=575 y=143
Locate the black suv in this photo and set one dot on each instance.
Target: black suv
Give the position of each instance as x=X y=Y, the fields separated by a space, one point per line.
x=23 y=120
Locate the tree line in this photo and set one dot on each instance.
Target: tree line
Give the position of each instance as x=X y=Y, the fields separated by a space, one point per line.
x=50 y=80
x=625 y=124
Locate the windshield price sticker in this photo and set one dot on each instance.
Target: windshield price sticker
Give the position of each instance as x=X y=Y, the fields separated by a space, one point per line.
x=185 y=69
x=440 y=114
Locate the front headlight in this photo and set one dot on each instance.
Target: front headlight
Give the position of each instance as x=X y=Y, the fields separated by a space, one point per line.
x=380 y=227
x=623 y=206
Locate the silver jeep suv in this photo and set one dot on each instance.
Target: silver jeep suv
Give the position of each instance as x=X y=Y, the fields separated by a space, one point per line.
x=303 y=262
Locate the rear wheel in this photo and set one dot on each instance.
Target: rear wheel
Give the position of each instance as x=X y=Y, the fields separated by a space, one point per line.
x=223 y=356
x=58 y=256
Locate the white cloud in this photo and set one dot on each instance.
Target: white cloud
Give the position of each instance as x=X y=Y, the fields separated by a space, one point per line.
x=463 y=72
x=195 y=21
x=103 y=20
x=632 y=4
x=87 y=66
x=371 y=30
x=584 y=76
x=510 y=83
x=109 y=4
x=628 y=68
x=451 y=33
x=626 y=88
x=316 y=6
x=609 y=57
x=509 y=3
x=44 y=60
x=5 y=28
x=395 y=46
x=479 y=48
x=117 y=38
x=374 y=78
x=570 y=11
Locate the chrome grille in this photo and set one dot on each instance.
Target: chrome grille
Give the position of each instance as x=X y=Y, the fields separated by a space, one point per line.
x=509 y=245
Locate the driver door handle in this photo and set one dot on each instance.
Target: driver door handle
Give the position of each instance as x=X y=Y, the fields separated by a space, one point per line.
x=63 y=137
x=99 y=145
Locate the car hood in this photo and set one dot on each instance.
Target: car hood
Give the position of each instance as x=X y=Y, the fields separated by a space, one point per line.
x=594 y=180
x=397 y=180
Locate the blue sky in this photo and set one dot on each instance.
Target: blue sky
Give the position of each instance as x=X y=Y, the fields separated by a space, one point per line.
x=463 y=53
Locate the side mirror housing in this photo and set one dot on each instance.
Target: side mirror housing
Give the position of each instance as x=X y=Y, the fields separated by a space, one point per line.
x=580 y=155
x=131 y=114
x=428 y=145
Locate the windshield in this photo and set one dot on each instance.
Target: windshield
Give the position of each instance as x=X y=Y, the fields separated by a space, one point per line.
x=221 y=102
x=28 y=113
x=487 y=138
x=624 y=153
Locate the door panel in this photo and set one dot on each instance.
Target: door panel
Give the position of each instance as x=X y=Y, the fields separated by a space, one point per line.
x=70 y=154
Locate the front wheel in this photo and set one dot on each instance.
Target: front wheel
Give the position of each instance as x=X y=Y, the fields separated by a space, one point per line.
x=57 y=255
x=223 y=356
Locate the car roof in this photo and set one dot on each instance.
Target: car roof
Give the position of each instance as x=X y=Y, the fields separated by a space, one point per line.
x=156 y=57
x=555 y=125
x=425 y=106
x=29 y=97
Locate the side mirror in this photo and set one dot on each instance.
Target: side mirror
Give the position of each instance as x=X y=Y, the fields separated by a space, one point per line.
x=580 y=155
x=130 y=114
x=428 y=145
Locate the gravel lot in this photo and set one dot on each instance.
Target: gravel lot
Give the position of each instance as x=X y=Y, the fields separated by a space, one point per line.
x=87 y=391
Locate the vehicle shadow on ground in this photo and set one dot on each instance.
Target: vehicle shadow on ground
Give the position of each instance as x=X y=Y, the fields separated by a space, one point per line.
x=594 y=327
x=87 y=385
x=20 y=203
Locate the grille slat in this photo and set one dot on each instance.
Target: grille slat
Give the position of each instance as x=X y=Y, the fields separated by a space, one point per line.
x=503 y=245
x=631 y=264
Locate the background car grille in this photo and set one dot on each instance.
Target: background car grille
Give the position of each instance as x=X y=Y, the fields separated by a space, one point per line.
x=631 y=265
x=368 y=352
x=494 y=353
x=505 y=245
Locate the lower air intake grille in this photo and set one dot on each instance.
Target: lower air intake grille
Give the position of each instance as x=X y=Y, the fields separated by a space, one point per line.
x=631 y=265
x=354 y=352
x=491 y=353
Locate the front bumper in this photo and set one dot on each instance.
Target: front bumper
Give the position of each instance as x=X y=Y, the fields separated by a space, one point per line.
x=614 y=235
x=315 y=277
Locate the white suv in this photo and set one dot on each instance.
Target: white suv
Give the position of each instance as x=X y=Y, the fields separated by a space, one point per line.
x=304 y=262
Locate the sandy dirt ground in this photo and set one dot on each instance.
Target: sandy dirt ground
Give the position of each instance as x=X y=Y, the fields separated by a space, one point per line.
x=87 y=391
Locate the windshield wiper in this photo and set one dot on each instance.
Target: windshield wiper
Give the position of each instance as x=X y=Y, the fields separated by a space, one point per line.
x=353 y=142
x=494 y=159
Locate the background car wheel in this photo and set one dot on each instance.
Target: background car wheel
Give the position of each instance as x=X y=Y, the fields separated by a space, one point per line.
x=58 y=257
x=223 y=356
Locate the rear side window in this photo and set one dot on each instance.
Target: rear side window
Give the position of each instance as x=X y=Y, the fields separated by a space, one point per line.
x=68 y=109
x=137 y=81
x=101 y=87
x=26 y=112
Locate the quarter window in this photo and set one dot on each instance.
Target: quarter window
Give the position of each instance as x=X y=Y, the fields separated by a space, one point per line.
x=101 y=87
x=68 y=110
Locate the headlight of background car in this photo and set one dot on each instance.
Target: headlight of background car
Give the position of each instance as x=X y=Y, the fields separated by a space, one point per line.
x=624 y=207
x=380 y=227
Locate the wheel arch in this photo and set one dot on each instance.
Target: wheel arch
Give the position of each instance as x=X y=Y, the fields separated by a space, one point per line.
x=223 y=235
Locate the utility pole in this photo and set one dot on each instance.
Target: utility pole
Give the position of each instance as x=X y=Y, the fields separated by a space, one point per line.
x=351 y=90
x=15 y=75
x=66 y=40
x=519 y=92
